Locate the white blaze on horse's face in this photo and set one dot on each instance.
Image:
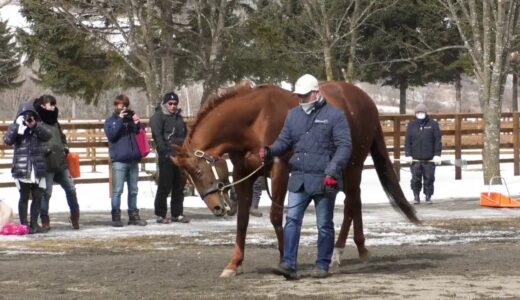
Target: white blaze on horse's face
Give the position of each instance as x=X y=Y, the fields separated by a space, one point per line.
x=210 y=177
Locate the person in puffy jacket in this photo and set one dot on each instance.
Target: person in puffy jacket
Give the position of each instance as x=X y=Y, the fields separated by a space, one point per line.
x=168 y=128
x=121 y=129
x=26 y=134
x=423 y=148
x=56 y=152
x=319 y=136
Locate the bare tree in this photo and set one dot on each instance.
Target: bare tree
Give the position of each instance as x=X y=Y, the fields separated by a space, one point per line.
x=488 y=28
x=336 y=22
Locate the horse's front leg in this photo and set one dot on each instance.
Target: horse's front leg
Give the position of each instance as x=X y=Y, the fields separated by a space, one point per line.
x=352 y=213
x=279 y=179
x=243 y=191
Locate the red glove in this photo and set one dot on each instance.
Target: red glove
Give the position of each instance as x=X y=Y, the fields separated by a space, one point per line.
x=329 y=181
x=265 y=154
x=261 y=152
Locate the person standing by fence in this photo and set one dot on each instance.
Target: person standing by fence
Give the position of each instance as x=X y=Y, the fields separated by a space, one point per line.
x=169 y=128
x=423 y=149
x=56 y=152
x=120 y=129
x=26 y=135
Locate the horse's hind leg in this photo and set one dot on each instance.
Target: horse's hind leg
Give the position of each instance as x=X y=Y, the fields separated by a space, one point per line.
x=352 y=213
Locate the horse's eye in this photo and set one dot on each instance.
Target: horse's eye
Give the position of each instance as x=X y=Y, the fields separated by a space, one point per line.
x=198 y=173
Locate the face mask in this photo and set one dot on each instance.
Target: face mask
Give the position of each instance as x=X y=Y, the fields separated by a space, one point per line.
x=307 y=107
x=420 y=116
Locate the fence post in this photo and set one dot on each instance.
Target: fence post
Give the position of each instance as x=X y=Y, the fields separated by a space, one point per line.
x=397 y=146
x=516 y=146
x=458 y=146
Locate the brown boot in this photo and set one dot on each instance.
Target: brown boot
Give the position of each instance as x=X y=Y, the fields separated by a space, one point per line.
x=46 y=223
x=74 y=220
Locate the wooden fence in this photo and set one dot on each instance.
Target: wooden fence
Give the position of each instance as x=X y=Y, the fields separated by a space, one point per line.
x=460 y=132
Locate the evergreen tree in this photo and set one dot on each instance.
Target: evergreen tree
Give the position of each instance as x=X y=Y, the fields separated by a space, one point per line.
x=66 y=60
x=9 y=59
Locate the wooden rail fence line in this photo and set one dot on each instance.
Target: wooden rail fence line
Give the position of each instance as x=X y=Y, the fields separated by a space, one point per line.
x=459 y=132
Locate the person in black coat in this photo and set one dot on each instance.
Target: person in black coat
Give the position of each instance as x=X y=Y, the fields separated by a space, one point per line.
x=169 y=128
x=423 y=149
x=26 y=135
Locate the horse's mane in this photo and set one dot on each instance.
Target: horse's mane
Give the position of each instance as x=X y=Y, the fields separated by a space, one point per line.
x=217 y=99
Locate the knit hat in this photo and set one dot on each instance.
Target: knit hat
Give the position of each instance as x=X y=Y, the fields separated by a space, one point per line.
x=421 y=108
x=170 y=96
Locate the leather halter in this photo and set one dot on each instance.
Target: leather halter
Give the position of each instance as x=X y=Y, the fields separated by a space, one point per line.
x=220 y=184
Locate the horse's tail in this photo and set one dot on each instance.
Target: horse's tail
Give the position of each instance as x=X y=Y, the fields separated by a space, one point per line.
x=388 y=178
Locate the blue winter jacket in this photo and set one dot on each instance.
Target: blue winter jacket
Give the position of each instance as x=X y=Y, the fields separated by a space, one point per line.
x=321 y=145
x=423 y=139
x=122 y=145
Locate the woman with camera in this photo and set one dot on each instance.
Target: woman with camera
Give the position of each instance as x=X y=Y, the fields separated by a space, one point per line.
x=26 y=135
x=120 y=129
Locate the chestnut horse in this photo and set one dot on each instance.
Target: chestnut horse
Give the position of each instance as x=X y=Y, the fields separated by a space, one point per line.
x=244 y=119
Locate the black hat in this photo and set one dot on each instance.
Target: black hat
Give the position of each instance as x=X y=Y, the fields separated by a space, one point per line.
x=170 y=96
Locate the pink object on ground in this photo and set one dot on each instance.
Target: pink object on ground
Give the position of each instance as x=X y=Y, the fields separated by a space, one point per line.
x=14 y=229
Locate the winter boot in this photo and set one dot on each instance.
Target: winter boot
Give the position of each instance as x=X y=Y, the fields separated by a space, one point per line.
x=46 y=223
x=116 y=218
x=135 y=219
x=429 y=199
x=416 y=197
x=74 y=219
x=34 y=227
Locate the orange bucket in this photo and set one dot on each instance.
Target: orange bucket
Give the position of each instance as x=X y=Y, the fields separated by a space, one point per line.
x=73 y=159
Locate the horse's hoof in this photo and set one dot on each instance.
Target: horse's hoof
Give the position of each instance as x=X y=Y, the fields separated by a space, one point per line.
x=228 y=273
x=364 y=255
x=336 y=257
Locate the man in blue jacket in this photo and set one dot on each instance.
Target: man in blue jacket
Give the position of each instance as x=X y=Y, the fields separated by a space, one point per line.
x=423 y=148
x=120 y=129
x=319 y=136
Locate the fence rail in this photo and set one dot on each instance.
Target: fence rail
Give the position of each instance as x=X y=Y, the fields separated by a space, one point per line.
x=459 y=132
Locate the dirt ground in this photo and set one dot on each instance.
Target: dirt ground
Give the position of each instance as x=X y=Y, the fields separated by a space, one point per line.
x=468 y=264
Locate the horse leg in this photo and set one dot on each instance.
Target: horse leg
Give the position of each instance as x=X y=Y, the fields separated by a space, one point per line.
x=244 y=191
x=279 y=179
x=352 y=213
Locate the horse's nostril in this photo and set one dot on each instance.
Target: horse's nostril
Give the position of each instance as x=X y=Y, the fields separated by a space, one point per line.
x=217 y=209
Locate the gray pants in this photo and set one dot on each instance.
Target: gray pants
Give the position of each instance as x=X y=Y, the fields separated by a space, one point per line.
x=423 y=176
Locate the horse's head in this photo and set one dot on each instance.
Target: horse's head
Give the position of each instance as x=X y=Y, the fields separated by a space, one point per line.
x=209 y=175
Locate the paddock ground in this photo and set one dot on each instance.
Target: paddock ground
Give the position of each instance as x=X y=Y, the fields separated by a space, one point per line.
x=462 y=251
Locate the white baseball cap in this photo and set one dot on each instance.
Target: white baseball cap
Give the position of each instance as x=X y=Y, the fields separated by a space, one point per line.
x=306 y=84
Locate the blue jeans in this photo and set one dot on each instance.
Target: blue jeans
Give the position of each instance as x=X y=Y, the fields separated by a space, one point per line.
x=298 y=203
x=122 y=172
x=67 y=184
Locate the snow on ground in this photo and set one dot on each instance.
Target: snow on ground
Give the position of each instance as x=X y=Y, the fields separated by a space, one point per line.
x=382 y=226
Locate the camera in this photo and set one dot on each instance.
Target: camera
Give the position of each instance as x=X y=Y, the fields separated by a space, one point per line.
x=129 y=114
x=28 y=118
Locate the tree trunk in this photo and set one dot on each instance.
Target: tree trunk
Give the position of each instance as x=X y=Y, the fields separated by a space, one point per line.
x=403 y=86
x=353 y=41
x=167 y=48
x=514 y=99
x=458 y=94
x=327 y=55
